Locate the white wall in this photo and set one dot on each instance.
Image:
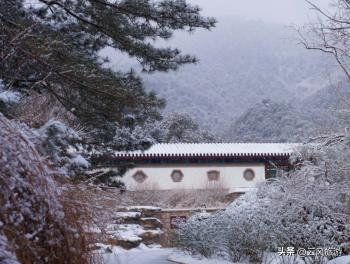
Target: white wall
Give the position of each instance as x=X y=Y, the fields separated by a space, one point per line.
x=195 y=177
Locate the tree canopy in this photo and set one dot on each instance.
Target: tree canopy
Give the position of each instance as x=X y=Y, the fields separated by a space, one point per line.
x=53 y=48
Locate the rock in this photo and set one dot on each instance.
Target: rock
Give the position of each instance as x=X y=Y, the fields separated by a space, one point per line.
x=123 y=243
x=151 y=237
x=147 y=211
x=135 y=225
x=151 y=223
x=127 y=217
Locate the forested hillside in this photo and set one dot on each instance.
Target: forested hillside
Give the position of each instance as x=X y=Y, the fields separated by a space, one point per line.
x=241 y=62
x=269 y=121
x=318 y=114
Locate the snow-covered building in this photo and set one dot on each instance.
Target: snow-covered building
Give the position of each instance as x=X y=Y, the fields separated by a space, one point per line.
x=236 y=167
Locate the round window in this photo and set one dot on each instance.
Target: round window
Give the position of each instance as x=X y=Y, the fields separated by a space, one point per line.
x=139 y=176
x=249 y=175
x=177 y=176
x=213 y=175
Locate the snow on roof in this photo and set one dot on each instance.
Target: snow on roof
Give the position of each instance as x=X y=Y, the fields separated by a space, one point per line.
x=214 y=149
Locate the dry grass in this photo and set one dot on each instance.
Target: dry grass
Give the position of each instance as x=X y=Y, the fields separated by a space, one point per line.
x=47 y=223
x=40 y=225
x=112 y=199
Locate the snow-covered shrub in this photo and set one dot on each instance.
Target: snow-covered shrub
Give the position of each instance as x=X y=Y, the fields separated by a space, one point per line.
x=7 y=98
x=136 y=137
x=200 y=236
x=59 y=143
x=33 y=224
x=182 y=128
x=6 y=256
x=308 y=207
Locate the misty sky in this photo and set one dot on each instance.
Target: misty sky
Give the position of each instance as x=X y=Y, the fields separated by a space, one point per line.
x=278 y=11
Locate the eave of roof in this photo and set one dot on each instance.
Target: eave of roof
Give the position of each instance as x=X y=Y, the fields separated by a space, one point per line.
x=211 y=150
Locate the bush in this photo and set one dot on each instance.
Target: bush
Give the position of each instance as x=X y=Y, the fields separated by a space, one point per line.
x=306 y=208
x=34 y=226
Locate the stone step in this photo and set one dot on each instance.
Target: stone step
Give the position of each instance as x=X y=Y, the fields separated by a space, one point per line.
x=147 y=211
x=151 y=223
x=151 y=237
x=127 y=217
x=131 y=235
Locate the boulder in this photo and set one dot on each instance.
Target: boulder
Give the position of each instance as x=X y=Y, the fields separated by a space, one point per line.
x=151 y=237
x=151 y=223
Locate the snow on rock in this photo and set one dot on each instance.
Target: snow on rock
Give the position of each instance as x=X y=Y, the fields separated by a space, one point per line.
x=129 y=232
x=150 y=218
x=151 y=222
x=143 y=208
x=126 y=215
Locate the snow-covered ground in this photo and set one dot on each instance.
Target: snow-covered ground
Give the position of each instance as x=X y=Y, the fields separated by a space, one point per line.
x=340 y=260
x=182 y=258
x=158 y=255
x=142 y=255
x=179 y=257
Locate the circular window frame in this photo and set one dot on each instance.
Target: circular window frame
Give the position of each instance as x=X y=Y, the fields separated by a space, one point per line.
x=215 y=178
x=174 y=178
x=135 y=176
x=249 y=171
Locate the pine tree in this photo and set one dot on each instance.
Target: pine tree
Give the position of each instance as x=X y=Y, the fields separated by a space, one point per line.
x=182 y=128
x=52 y=48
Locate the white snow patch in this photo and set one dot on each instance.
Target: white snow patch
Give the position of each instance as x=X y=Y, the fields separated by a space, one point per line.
x=125 y=215
x=181 y=257
x=214 y=148
x=9 y=97
x=126 y=232
x=184 y=258
x=141 y=254
x=129 y=232
x=150 y=218
x=79 y=161
x=151 y=208
x=93 y=229
x=6 y=256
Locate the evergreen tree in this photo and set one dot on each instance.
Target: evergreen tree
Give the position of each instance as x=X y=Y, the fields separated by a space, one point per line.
x=52 y=48
x=181 y=128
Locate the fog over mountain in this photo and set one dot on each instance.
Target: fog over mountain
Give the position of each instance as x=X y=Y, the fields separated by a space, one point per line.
x=276 y=11
x=241 y=63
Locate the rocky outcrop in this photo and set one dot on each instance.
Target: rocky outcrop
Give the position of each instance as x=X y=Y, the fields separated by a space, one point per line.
x=135 y=225
x=151 y=222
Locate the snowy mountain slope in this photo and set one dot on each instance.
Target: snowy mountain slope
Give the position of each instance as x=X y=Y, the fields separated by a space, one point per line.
x=241 y=63
x=280 y=122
